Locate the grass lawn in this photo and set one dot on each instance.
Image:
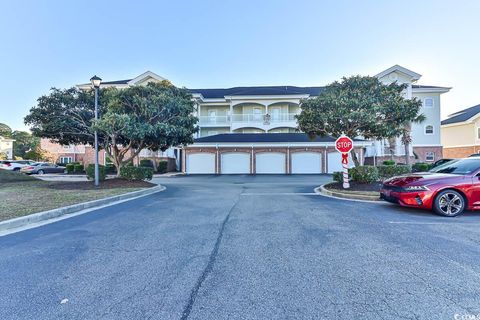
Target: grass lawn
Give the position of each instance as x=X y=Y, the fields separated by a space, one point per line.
x=21 y=195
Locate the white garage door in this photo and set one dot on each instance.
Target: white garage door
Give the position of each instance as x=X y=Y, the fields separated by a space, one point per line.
x=306 y=162
x=233 y=163
x=270 y=162
x=335 y=162
x=203 y=163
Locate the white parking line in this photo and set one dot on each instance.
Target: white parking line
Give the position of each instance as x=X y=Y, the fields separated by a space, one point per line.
x=427 y=223
x=280 y=194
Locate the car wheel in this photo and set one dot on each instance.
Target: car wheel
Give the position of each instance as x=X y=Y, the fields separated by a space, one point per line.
x=449 y=203
x=16 y=169
x=40 y=172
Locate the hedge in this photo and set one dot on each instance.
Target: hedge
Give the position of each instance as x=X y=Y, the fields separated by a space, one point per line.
x=70 y=167
x=136 y=173
x=364 y=174
x=421 y=167
x=146 y=163
x=78 y=168
x=162 y=167
x=389 y=171
x=102 y=172
x=388 y=163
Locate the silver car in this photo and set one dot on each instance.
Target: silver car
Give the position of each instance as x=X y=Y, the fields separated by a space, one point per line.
x=42 y=168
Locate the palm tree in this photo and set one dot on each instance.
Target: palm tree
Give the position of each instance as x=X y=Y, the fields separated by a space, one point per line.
x=407 y=137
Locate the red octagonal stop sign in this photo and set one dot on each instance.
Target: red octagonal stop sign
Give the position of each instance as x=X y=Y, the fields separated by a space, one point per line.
x=344 y=144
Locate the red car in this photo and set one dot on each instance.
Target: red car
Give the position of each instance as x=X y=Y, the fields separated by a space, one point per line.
x=448 y=189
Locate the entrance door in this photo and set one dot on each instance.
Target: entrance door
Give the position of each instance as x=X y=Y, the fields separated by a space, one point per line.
x=212 y=116
x=275 y=113
x=257 y=114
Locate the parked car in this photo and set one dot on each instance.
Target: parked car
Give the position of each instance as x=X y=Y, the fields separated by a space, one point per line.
x=440 y=162
x=42 y=168
x=448 y=189
x=474 y=155
x=14 y=165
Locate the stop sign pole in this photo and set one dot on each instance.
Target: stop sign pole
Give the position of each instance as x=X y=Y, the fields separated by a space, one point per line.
x=344 y=145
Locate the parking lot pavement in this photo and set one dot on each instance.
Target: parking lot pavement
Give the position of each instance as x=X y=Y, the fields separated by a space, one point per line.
x=244 y=247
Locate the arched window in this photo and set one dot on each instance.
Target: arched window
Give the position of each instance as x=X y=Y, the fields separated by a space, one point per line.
x=429 y=129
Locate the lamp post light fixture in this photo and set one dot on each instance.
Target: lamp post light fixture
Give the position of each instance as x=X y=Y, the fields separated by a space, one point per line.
x=96 y=81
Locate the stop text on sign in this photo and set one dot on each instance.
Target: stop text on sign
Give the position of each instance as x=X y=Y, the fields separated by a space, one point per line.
x=344 y=144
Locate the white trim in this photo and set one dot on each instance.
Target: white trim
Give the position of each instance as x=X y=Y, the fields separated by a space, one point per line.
x=413 y=75
x=425 y=129
x=461 y=146
x=456 y=124
x=426 y=145
x=431 y=90
x=356 y=144
x=143 y=76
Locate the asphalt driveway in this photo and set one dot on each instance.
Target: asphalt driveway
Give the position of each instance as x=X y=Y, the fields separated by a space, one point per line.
x=244 y=247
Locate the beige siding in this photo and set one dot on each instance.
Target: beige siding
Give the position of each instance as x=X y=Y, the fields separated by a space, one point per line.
x=461 y=135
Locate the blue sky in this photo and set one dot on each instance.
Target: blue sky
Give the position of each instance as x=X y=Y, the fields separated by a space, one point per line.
x=231 y=43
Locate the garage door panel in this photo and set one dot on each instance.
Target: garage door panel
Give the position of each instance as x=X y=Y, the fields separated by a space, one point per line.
x=235 y=163
x=335 y=162
x=270 y=163
x=201 y=163
x=306 y=163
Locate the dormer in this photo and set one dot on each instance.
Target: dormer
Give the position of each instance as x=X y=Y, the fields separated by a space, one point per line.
x=399 y=74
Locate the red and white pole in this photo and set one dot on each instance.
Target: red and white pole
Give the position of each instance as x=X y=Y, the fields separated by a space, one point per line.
x=346 y=183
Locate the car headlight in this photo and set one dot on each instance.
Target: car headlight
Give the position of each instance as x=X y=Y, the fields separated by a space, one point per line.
x=416 y=188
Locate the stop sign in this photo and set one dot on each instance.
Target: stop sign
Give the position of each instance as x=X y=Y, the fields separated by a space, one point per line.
x=344 y=144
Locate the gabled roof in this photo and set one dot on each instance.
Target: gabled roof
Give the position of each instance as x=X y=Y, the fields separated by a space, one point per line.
x=262 y=138
x=413 y=75
x=144 y=76
x=463 y=115
x=257 y=91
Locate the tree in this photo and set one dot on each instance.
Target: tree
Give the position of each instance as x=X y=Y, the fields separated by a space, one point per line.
x=23 y=143
x=156 y=117
x=39 y=154
x=359 y=106
x=5 y=131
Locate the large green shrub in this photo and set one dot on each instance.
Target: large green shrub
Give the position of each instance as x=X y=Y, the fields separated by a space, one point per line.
x=388 y=163
x=102 y=174
x=364 y=174
x=70 y=167
x=338 y=176
x=388 y=171
x=78 y=168
x=136 y=173
x=162 y=167
x=421 y=167
x=146 y=163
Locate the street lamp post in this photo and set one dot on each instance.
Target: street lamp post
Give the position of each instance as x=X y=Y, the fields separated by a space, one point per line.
x=96 y=85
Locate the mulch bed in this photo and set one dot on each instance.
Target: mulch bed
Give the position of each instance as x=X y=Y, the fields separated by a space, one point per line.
x=355 y=186
x=107 y=184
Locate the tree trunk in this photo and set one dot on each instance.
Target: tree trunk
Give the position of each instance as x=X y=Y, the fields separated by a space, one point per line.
x=406 y=139
x=354 y=158
x=392 y=146
x=407 y=153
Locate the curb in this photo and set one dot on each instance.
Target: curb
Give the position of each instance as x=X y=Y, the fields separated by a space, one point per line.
x=344 y=196
x=35 y=218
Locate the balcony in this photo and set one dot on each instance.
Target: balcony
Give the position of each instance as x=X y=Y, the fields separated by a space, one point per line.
x=214 y=121
x=264 y=118
x=259 y=120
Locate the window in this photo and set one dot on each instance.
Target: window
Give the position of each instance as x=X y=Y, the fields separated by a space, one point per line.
x=429 y=129
x=430 y=156
x=428 y=103
x=211 y=133
x=65 y=160
x=478 y=133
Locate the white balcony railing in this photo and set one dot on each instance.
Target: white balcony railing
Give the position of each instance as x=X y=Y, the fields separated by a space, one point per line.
x=214 y=120
x=250 y=117
x=247 y=118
